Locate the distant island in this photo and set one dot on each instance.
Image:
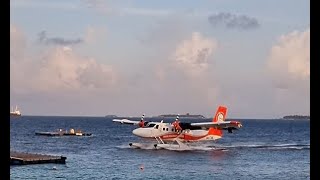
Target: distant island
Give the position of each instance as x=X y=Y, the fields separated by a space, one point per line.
x=111 y=116
x=187 y=115
x=296 y=117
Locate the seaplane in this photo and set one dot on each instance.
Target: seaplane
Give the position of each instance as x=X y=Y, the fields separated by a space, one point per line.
x=179 y=135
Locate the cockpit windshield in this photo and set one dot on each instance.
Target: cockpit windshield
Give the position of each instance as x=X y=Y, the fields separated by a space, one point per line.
x=151 y=125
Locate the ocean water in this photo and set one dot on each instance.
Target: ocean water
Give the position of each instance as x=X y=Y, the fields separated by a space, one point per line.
x=262 y=149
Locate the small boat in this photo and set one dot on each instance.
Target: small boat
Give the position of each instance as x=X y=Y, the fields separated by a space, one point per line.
x=15 y=112
x=61 y=132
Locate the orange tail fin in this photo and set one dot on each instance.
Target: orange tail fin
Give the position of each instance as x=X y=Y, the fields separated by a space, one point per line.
x=219 y=117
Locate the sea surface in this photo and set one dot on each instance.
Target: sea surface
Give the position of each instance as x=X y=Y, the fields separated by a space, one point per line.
x=261 y=149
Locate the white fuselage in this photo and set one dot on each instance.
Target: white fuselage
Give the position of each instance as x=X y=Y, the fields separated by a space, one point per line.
x=167 y=132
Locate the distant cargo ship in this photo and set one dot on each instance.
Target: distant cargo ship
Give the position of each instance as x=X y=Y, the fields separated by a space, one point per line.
x=182 y=116
x=15 y=112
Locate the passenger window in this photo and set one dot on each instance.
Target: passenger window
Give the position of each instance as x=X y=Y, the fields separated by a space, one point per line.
x=164 y=129
x=167 y=129
x=157 y=126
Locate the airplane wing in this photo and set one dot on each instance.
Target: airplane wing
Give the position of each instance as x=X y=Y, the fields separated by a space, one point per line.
x=220 y=125
x=126 y=121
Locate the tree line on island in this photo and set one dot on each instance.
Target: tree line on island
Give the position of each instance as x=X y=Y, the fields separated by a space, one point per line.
x=296 y=117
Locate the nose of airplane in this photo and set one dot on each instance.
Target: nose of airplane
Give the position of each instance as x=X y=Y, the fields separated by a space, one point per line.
x=142 y=132
x=136 y=132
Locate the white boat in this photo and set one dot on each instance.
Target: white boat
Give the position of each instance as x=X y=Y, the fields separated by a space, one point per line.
x=15 y=112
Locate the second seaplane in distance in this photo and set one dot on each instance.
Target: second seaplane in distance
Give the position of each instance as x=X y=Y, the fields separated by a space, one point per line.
x=181 y=133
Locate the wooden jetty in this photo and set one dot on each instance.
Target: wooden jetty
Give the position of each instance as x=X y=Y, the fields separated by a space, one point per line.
x=21 y=158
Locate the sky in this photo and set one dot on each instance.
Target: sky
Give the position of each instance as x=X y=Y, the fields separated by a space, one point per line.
x=134 y=57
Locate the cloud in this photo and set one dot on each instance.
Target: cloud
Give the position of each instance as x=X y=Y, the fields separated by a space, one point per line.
x=232 y=21
x=17 y=42
x=192 y=56
x=56 y=70
x=18 y=57
x=94 y=34
x=289 y=60
x=62 y=68
x=128 y=9
x=56 y=5
x=146 y=12
x=42 y=38
x=101 y=6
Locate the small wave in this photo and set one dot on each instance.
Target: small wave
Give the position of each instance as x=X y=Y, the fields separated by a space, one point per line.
x=297 y=148
x=123 y=147
x=189 y=148
x=27 y=143
x=151 y=146
x=146 y=146
x=273 y=146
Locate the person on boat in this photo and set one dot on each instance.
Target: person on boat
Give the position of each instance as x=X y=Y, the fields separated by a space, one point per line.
x=176 y=125
x=141 y=123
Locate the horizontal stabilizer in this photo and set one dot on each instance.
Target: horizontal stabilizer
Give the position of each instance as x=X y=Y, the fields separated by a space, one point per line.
x=125 y=121
x=218 y=125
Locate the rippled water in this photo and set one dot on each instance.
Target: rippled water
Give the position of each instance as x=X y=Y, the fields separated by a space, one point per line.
x=262 y=149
